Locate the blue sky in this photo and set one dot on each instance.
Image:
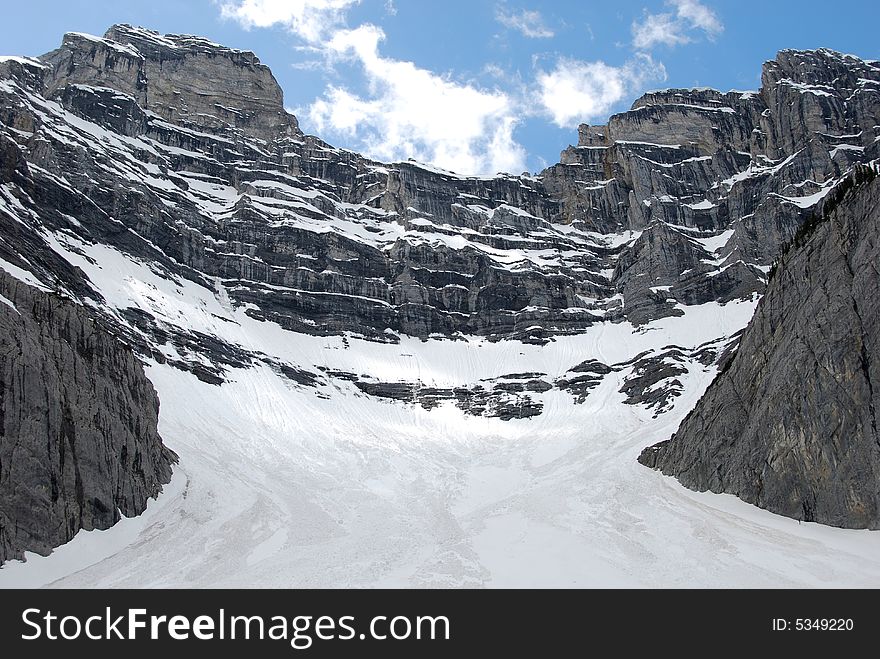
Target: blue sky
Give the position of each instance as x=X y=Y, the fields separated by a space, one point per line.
x=477 y=86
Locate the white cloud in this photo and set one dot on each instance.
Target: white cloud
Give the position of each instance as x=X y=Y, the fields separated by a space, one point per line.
x=699 y=16
x=575 y=91
x=413 y=112
x=404 y=111
x=673 y=29
x=527 y=22
x=407 y=112
x=312 y=20
x=658 y=29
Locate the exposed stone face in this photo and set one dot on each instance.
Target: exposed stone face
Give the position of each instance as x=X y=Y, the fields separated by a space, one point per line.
x=703 y=120
x=78 y=424
x=183 y=79
x=505 y=398
x=790 y=424
x=684 y=200
x=820 y=95
x=88 y=60
x=694 y=185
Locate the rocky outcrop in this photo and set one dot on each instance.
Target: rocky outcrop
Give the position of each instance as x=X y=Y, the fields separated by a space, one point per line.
x=79 y=445
x=183 y=79
x=505 y=398
x=790 y=424
x=820 y=96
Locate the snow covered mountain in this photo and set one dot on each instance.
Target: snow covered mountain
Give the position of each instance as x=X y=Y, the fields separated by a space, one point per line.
x=388 y=374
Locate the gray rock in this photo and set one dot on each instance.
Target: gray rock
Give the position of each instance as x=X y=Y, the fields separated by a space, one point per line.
x=78 y=424
x=790 y=424
x=654 y=381
x=683 y=166
x=505 y=398
x=583 y=378
x=184 y=79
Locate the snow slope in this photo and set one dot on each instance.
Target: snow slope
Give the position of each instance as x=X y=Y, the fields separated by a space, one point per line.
x=281 y=485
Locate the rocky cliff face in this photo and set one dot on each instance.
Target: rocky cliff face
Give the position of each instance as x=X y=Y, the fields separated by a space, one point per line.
x=683 y=200
x=790 y=424
x=78 y=440
x=186 y=80
x=172 y=158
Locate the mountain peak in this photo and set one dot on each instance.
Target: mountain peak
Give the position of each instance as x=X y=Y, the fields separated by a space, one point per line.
x=820 y=67
x=184 y=79
x=150 y=43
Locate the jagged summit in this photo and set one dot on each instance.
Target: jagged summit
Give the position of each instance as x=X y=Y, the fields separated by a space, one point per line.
x=839 y=84
x=145 y=40
x=801 y=65
x=184 y=79
x=828 y=54
x=820 y=68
